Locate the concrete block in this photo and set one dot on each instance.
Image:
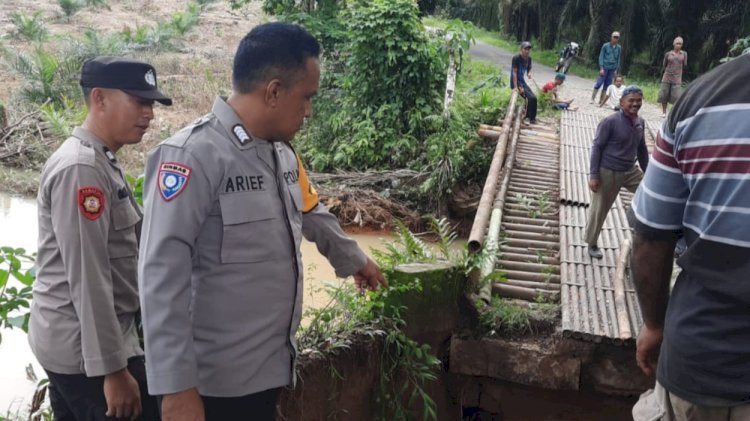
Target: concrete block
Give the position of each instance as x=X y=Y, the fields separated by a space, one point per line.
x=525 y=363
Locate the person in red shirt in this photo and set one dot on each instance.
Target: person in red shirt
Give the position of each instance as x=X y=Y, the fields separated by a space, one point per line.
x=550 y=88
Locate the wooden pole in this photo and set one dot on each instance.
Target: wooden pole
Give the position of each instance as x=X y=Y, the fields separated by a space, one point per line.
x=482 y=218
x=621 y=304
x=528 y=294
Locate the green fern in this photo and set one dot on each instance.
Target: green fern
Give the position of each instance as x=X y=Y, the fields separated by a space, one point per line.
x=30 y=26
x=446 y=236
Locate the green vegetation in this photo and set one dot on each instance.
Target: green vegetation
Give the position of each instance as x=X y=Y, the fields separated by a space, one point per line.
x=69 y=7
x=535 y=206
x=49 y=74
x=517 y=318
x=406 y=364
x=30 y=26
x=382 y=88
x=481 y=34
x=15 y=299
x=741 y=46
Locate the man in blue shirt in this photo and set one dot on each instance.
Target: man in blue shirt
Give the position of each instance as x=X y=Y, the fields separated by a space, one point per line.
x=609 y=63
x=520 y=66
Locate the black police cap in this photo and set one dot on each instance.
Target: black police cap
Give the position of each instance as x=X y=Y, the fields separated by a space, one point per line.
x=130 y=76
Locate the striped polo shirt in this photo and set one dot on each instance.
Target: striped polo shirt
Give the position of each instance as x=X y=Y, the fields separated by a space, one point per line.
x=698 y=181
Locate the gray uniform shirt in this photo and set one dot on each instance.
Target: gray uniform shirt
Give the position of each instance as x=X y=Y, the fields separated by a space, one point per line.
x=85 y=297
x=220 y=270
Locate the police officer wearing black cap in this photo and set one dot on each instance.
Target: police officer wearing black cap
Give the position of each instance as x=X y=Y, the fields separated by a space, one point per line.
x=83 y=315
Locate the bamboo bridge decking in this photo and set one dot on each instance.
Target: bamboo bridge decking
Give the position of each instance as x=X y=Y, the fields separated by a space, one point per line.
x=533 y=212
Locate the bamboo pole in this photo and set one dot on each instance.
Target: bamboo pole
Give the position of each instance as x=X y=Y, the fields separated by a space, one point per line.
x=497 y=128
x=528 y=294
x=623 y=319
x=491 y=134
x=481 y=220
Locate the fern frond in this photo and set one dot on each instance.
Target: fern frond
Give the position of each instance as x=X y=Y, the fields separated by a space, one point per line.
x=446 y=235
x=414 y=248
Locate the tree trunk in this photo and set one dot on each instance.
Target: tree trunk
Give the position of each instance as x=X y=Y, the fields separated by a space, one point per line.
x=591 y=48
x=506 y=11
x=627 y=40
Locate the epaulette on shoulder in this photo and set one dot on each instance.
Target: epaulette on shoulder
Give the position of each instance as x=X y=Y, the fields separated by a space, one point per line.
x=181 y=137
x=84 y=153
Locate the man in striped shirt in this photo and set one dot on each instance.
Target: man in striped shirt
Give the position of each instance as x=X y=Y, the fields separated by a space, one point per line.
x=698 y=183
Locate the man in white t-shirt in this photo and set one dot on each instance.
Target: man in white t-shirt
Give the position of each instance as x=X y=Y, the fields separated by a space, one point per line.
x=613 y=95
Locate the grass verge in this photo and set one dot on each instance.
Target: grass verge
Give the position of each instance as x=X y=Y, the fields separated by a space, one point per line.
x=516 y=318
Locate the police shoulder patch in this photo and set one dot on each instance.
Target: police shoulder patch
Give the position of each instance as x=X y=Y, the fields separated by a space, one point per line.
x=91 y=202
x=173 y=178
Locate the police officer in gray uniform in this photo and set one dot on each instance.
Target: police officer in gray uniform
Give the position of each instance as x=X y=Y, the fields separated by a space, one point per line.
x=85 y=298
x=227 y=203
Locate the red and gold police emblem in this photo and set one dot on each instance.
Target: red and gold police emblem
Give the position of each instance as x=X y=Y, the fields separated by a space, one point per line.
x=91 y=202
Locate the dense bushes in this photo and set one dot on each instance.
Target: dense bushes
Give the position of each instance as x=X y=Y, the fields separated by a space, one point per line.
x=380 y=101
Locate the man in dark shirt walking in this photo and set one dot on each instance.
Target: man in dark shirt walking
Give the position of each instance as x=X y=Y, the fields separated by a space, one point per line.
x=619 y=140
x=520 y=67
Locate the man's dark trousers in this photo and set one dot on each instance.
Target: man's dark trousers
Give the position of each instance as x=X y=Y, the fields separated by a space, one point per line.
x=528 y=93
x=75 y=397
x=259 y=406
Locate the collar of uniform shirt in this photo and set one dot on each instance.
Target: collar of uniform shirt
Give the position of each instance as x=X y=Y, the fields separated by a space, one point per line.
x=96 y=143
x=232 y=124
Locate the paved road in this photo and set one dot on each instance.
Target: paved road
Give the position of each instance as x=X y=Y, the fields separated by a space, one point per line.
x=574 y=87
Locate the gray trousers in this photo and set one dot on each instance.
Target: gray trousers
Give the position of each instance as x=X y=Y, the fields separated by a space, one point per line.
x=601 y=201
x=658 y=404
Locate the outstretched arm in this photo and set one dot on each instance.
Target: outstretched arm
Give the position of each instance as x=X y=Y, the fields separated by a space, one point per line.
x=652 y=270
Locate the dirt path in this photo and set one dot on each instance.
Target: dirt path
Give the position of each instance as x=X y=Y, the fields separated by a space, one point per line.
x=575 y=87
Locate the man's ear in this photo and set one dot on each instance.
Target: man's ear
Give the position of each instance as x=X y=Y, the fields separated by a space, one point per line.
x=97 y=98
x=273 y=91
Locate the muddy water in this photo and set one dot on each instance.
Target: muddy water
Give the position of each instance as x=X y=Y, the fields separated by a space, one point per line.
x=18 y=228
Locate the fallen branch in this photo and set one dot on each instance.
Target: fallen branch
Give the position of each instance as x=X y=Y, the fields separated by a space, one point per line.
x=367 y=208
x=9 y=129
x=370 y=178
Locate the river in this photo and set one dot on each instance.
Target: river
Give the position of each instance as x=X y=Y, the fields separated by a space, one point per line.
x=18 y=228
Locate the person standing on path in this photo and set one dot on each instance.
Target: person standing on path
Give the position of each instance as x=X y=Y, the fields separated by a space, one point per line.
x=609 y=63
x=227 y=204
x=618 y=142
x=696 y=339
x=520 y=68
x=85 y=300
x=671 y=82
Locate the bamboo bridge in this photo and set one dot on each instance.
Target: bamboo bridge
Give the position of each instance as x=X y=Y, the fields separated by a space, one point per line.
x=531 y=221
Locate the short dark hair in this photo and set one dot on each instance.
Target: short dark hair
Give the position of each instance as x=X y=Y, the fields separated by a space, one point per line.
x=86 y=94
x=272 y=50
